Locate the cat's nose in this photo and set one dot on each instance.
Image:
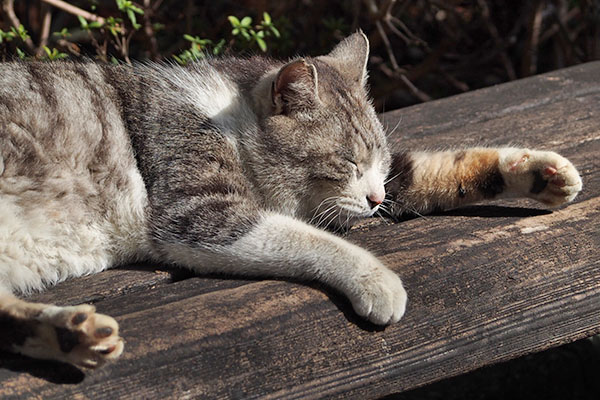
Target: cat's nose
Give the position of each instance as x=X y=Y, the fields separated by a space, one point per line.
x=375 y=199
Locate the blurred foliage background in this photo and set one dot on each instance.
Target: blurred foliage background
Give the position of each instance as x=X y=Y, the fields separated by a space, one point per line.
x=420 y=49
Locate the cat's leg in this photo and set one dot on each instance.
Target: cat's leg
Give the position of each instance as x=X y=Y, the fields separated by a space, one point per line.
x=281 y=246
x=38 y=246
x=426 y=181
x=284 y=246
x=76 y=335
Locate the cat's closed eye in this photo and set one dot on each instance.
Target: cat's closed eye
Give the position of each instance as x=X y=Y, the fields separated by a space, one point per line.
x=355 y=166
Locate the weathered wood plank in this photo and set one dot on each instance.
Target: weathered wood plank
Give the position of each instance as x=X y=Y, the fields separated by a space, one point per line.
x=486 y=283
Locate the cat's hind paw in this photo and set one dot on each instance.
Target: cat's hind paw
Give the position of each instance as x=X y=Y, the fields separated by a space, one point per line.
x=77 y=335
x=380 y=297
x=542 y=175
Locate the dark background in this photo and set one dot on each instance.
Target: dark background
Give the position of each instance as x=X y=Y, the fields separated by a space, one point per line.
x=420 y=49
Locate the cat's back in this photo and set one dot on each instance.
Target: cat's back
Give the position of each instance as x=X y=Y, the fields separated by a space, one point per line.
x=68 y=177
x=63 y=108
x=62 y=121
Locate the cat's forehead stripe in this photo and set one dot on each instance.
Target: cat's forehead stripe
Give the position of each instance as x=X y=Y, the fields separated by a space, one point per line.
x=366 y=134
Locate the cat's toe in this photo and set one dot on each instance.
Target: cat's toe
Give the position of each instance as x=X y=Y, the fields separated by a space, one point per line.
x=381 y=298
x=557 y=182
x=84 y=337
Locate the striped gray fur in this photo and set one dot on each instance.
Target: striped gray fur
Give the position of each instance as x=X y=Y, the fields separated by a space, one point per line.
x=213 y=152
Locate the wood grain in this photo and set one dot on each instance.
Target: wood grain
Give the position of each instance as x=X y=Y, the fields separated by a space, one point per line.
x=486 y=283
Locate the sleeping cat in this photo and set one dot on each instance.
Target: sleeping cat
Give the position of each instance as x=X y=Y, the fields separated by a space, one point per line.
x=229 y=165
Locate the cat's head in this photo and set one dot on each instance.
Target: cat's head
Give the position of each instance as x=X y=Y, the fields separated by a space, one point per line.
x=323 y=150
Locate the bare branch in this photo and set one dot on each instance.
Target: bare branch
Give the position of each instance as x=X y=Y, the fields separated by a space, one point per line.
x=386 y=8
x=71 y=9
x=415 y=90
x=45 y=32
x=70 y=46
x=149 y=31
x=460 y=85
x=485 y=12
x=387 y=44
x=410 y=36
x=400 y=79
x=567 y=40
x=400 y=34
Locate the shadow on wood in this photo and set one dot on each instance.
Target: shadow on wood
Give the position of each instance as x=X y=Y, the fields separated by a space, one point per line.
x=51 y=371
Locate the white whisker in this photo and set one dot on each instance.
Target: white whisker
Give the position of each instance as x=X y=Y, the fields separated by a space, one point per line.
x=323 y=202
x=400 y=206
x=329 y=219
x=391 y=179
x=330 y=211
x=385 y=221
x=390 y=133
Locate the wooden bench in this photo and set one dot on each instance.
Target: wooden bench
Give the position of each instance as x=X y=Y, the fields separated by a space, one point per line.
x=486 y=283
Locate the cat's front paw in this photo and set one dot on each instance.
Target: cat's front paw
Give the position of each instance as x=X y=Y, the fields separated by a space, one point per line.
x=378 y=295
x=542 y=175
x=79 y=336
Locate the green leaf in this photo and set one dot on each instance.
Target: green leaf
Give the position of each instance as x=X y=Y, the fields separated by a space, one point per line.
x=246 y=21
x=132 y=18
x=179 y=60
x=112 y=23
x=21 y=54
x=266 y=18
x=83 y=22
x=219 y=47
x=63 y=33
x=275 y=31
x=54 y=54
x=261 y=43
x=21 y=32
x=234 y=21
x=136 y=9
x=8 y=36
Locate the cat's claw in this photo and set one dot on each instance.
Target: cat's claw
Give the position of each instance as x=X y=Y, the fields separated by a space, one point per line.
x=80 y=336
x=380 y=297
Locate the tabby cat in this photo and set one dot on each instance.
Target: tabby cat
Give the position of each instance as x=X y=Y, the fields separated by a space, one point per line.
x=230 y=165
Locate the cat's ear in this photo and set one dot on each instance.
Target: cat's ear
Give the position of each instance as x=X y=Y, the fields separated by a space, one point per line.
x=350 y=57
x=295 y=87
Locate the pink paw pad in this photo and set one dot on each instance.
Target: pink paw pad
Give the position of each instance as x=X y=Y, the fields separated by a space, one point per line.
x=515 y=165
x=549 y=170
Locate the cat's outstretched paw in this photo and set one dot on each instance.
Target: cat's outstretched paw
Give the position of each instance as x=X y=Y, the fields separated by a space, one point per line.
x=379 y=296
x=76 y=335
x=542 y=175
